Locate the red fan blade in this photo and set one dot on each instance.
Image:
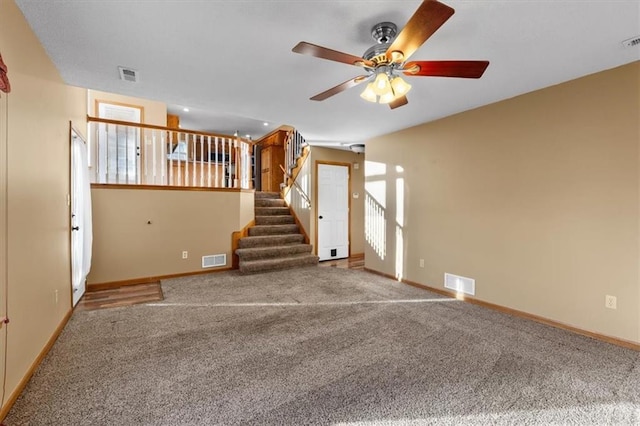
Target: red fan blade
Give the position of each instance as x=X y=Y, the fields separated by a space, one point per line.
x=398 y=102
x=305 y=48
x=461 y=69
x=428 y=18
x=340 y=88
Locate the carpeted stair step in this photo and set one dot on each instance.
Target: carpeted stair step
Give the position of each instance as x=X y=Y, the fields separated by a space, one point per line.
x=275 y=241
x=256 y=253
x=270 y=240
x=271 y=211
x=270 y=202
x=263 y=265
x=262 y=195
x=256 y=231
x=274 y=220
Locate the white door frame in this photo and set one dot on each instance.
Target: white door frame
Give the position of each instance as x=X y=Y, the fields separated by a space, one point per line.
x=4 y=176
x=315 y=199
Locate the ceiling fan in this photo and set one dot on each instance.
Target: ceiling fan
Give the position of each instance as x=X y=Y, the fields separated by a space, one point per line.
x=384 y=61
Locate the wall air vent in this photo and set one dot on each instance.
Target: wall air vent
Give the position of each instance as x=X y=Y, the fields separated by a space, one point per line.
x=128 y=74
x=633 y=41
x=214 y=260
x=460 y=284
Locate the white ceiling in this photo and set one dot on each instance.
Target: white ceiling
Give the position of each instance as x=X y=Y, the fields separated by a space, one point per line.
x=231 y=63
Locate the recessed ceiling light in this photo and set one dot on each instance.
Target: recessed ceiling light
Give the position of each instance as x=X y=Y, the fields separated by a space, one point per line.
x=265 y=123
x=185 y=109
x=248 y=136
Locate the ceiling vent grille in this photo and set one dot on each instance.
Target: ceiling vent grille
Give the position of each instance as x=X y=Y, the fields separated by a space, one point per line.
x=460 y=284
x=634 y=41
x=128 y=74
x=214 y=260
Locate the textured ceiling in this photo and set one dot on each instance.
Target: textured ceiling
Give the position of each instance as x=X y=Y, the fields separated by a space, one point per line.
x=231 y=63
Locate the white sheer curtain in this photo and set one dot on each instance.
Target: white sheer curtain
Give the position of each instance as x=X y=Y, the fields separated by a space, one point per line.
x=81 y=221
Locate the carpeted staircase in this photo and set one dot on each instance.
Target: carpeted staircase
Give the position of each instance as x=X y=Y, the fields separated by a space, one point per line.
x=275 y=242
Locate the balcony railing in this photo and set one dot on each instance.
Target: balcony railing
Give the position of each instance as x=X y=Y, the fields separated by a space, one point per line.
x=141 y=154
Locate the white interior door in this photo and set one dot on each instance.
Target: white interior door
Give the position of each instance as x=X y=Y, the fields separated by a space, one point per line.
x=119 y=147
x=333 y=211
x=81 y=226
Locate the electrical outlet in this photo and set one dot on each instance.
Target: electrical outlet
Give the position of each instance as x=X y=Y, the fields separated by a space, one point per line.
x=422 y=263
x=611 y=302
x=55 y=292
x=185 y=254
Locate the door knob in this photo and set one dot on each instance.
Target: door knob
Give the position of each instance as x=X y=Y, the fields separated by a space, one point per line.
x=75 y=228
x=319 y=217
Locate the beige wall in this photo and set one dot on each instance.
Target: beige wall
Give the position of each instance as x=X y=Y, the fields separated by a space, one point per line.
x=357 y=185
x=126 y=247
x=154 y=112
x=40 y=107
x=536 y=197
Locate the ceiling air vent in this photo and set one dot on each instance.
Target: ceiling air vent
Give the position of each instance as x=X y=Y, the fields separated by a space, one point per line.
x=633 y=41
x=128 y=74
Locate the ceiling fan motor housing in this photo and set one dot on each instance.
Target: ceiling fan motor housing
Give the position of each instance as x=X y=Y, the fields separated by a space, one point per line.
x=384 y=32
x=375 y=51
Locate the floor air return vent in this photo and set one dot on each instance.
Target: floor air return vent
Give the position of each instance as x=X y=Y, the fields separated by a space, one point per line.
x=214 y=260
x=460 y=284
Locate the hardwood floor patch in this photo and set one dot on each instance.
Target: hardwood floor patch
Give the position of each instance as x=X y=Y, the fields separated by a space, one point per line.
x=353 y=262
x=122 y=296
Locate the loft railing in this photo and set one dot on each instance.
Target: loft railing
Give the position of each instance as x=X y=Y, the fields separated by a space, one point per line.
x=297 y=177
x=141 y=154
x=294 y=158
x=294 y=145
x=294 y=183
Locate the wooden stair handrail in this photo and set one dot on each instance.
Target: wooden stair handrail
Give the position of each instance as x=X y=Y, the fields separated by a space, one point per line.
x=304 y=195
x=168 y=129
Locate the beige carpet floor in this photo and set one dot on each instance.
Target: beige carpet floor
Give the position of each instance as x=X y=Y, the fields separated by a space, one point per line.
x=323 y=346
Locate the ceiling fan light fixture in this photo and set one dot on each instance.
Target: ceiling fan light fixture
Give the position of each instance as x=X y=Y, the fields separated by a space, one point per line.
x=381 y=84
x=369 y=94
x=387 y=97
x=400 y=87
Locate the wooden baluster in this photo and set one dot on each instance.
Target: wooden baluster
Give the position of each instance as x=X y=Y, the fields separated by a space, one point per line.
x=224 y=178
x=171 y=148
x=234 y=182
x=194 y=171
x=208 y=161
x=217 y=183
x=118 y=171
x=186 y=160
x=107 y=156
x=236 y=165
x=126 y=154
x=138 y=156
x=179 y=160
x=163 y=163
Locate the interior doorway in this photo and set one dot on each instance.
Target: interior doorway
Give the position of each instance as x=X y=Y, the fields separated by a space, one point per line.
x=332 y=210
